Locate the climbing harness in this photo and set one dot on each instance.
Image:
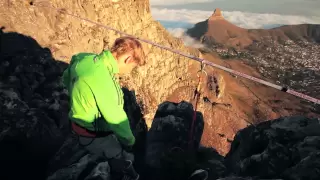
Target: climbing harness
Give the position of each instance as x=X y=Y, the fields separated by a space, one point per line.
x=284 y=89
x=196 y=98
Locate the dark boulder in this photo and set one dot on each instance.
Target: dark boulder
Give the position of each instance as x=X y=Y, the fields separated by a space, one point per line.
x=285 y=148
x=168 y=141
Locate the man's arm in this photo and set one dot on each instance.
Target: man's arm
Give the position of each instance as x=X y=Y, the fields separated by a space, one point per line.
x=107 y=101
x=65 y=78
x=66 y=73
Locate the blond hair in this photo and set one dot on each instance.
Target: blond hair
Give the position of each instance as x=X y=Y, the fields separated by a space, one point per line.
x=125 y=44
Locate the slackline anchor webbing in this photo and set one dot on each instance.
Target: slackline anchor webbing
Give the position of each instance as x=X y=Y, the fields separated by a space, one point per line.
x=196 y=98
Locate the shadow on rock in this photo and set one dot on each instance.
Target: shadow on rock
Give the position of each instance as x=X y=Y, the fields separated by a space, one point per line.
x=33 y=107
x=138 y=126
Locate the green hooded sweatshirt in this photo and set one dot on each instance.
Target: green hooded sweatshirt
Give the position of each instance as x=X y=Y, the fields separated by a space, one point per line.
x=96 y=94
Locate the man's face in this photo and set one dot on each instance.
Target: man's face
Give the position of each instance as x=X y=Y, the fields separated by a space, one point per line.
x=126 y=63
x=127 y=68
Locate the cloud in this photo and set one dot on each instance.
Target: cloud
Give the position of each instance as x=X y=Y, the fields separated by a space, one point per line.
x=188 y=41
x=255 y=20
x=242 y=19
x=176 y=2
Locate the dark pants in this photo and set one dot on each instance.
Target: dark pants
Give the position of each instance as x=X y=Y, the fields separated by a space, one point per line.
x=108 y=146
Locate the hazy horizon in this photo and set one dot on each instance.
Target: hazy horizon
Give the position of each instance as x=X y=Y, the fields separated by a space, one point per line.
x=283 y=7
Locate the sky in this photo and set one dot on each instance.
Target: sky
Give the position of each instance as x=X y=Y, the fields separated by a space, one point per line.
x=178 y=15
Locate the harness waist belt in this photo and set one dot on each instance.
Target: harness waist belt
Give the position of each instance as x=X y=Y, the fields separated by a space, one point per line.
x=87 y=133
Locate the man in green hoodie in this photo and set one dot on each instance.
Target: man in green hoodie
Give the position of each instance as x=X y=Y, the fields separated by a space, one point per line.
x=96 y=98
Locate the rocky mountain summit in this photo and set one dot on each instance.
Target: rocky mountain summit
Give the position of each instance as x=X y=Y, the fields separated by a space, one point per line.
x=288 y=55
x=35 y=139
x=217 y=14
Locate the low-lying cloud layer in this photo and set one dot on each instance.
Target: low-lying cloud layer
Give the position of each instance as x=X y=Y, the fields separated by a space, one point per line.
x=188 y=41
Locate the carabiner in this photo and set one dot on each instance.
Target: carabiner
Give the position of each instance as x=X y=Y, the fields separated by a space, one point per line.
x=202 y=66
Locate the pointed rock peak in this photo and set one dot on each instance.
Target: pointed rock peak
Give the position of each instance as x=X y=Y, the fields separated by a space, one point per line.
x=217 y=14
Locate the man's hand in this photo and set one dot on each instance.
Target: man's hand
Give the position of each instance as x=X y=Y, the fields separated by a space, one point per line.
x=128 y=149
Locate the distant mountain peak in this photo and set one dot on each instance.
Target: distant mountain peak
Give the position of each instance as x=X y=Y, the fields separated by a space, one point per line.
x=217 y=14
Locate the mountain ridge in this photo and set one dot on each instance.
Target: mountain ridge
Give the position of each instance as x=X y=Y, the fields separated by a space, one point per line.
x=224 y=32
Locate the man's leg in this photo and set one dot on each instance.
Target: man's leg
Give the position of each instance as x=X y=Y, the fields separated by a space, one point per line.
x=109 y=146
x=120 y=161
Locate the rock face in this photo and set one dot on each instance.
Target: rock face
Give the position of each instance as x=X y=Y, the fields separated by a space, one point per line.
x=286 y=148
x=88 y=167
x=217 y=14
x=169 y=134
x=65 y=35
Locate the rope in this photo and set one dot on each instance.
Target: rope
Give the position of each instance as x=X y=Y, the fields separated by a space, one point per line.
x=196 y=98
x=284 y=89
